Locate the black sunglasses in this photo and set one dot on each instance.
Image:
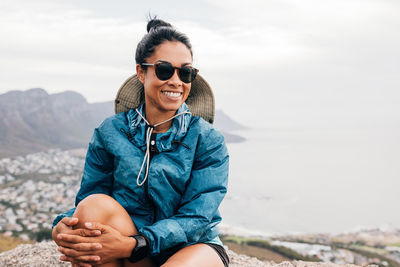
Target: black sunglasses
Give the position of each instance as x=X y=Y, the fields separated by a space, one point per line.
x=165 y=70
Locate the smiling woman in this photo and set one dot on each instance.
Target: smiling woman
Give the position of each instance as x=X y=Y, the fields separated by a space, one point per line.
x=155 y=173
x=164 y=97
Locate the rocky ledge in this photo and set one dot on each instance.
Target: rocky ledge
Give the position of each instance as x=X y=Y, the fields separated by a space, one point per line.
x=45 y=254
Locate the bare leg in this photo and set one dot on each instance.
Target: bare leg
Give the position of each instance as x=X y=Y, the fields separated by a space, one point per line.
x=106 y=210
x=198 y=255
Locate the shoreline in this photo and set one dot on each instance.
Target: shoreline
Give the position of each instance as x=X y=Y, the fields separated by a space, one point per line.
x=233 y=230
x=377 y=246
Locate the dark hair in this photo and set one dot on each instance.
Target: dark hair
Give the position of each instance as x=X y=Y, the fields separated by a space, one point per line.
x=158 y=32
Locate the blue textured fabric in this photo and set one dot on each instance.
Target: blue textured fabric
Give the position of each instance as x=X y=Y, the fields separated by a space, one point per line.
x=178 y=204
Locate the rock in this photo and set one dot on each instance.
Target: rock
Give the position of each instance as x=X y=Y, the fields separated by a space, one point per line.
x=38 y=254
x=246 y=261
x=46 y=254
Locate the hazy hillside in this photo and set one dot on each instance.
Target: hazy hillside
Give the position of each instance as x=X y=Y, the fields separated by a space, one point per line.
x=226 y=123
x=33 y=120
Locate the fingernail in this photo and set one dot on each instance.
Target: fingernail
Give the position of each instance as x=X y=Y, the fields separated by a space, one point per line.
x=59 y=236
x=59 y=249
x=96 y=258
x=88 y=224
x=62 y=258
x=97 y=232
x=98 y=246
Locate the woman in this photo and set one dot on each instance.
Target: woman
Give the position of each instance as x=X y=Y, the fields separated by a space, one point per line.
x=155 y=174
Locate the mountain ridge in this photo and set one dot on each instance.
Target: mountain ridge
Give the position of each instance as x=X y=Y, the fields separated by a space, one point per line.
x=34 y=120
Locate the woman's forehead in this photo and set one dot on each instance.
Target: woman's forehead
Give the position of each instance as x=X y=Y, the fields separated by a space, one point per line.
x=173 y=52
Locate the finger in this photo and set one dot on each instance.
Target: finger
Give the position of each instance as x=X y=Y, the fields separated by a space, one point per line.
x=61 y=226
x=75 y=253
x=65 y=244
x=74 y=238
x=70 y=221
x=86 y=232
x=81 y=246
x=64 y=227
x=70 y=252
x=96 y=225
x=86 y=246
x=65 y=258
x=88 y=258
x=78 y=232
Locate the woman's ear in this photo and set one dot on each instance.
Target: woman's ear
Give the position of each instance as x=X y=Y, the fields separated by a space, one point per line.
x=140 y=73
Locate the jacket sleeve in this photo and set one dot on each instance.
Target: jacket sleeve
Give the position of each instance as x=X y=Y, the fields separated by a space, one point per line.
x=97 y=174
x=199 y=204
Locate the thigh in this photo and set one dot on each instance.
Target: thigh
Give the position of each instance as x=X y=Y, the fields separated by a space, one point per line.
x=198 y=255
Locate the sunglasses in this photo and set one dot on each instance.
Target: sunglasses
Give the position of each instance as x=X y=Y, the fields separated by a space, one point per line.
x=165 y=70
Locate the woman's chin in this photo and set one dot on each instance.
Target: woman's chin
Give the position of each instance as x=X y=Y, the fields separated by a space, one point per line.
x=169 y=107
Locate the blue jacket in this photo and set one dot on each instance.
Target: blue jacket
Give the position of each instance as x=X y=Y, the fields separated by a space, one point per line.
x=178 y=204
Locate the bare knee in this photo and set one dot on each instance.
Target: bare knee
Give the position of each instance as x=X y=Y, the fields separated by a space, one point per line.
x=95 y=207
x=106 y=210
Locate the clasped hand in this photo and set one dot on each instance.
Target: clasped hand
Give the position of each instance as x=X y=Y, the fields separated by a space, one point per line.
x=97 y=244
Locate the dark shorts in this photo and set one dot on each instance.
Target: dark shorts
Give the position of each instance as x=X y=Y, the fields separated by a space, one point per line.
x=160 y=260
x=221 y=253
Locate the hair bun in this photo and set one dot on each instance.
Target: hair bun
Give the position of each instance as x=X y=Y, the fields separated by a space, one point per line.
x=154 y=23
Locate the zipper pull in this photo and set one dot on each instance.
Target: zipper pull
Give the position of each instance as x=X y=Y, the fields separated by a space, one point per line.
x=153 y=147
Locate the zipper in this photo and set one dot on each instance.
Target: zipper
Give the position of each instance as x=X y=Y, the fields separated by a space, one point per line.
x=153 y=151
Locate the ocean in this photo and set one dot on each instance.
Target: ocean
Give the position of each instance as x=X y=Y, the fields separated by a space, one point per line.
x=286 y=181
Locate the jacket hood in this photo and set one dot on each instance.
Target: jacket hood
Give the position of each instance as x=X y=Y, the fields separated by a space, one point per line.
x=164 y=141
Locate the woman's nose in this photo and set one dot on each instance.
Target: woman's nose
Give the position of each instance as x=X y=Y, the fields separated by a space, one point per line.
x=175 y=80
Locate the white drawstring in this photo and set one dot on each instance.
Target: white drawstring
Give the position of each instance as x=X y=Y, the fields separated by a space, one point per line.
x=148 y=136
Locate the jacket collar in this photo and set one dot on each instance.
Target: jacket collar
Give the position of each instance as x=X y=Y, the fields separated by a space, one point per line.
x=164 y=141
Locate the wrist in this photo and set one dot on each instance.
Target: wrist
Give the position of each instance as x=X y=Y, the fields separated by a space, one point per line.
x=141 y=248
x=128 y=245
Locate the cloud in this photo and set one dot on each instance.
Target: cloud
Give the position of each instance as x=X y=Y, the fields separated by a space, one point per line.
x=47 y=39
x=285 y=56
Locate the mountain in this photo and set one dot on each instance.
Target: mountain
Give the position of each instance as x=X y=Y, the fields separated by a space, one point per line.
x=226 y=125
x=33 y=120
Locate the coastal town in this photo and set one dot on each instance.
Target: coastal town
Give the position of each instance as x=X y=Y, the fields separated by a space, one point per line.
x=37 y=187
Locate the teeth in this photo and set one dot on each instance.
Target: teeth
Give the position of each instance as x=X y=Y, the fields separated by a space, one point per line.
x=171 y=94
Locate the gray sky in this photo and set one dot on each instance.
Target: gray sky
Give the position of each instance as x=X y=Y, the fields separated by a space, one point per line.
x=283 y=63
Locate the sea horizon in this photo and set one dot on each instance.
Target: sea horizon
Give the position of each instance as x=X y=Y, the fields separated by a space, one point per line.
x=313 y=180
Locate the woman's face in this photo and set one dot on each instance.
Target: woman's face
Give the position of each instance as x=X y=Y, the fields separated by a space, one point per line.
x=165 y=96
